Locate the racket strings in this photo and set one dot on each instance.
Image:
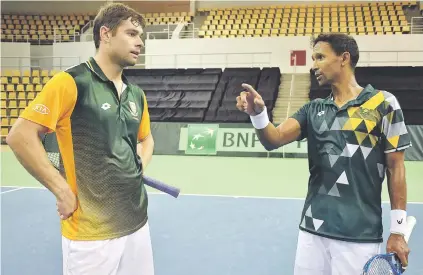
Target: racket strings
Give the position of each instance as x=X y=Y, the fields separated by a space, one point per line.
x=380 y=266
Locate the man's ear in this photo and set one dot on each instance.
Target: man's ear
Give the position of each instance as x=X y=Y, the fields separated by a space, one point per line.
x=105 y=34
x=346 y=58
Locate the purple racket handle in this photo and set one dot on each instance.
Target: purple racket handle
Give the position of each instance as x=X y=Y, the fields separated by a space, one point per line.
x=173 y=191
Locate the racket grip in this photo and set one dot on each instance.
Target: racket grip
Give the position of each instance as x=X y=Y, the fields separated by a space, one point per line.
x=156 y=184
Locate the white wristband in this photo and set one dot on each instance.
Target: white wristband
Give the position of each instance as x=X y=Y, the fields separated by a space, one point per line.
x=398 y=221
x=261 y=120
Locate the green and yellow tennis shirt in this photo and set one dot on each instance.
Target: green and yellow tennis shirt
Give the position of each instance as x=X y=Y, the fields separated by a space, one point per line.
x=97 y=132
x=347 y=148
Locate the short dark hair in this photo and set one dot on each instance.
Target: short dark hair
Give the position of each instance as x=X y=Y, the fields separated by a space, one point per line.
x=340 y=43
x=111 y=16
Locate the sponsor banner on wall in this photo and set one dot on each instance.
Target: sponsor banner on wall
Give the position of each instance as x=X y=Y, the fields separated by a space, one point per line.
x=209 y=139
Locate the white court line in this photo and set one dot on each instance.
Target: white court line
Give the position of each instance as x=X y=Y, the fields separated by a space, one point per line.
x=13 y=190
x=209 y=195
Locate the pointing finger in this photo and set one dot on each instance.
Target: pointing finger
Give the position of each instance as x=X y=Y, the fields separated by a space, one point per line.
x=250 y=89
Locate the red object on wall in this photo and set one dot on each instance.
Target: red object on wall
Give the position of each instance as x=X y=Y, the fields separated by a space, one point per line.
x=300 y=57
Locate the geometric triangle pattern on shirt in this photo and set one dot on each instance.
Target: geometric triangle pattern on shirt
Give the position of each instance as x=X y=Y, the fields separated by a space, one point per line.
x=308 y=212
x=366 y=151
x=317 y=223
x=333 y=159
x=343 y=179
x=349 y=150
x=360 y=136
x=323 y=127
x=322 y=190
x=334 y=191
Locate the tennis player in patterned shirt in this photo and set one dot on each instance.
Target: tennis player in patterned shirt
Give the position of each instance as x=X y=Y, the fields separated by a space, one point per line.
x=356 y=136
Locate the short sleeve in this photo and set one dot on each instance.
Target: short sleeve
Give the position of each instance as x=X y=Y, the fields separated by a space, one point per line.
x=144 y=130
x=302 y=116
x=394 y=131
x=54 y=103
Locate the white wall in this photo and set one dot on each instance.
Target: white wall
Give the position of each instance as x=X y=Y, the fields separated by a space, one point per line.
x=275 y=52
x=41 y=56
x=15 y=55
x=69 y=54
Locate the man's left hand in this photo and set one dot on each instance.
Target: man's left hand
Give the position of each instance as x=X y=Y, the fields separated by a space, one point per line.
x=397 y=244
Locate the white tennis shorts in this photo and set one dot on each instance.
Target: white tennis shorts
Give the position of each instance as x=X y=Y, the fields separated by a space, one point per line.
x=131 y=254
x=322 y=256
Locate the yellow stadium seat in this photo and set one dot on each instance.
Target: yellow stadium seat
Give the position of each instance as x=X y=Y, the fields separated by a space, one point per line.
x=12 y=104
x=20 y=95
x=3 y=103
x=15 y=80
x=35 y=73
x=10 y=88
x=14 y=112
x=31 y=95
x=29 y=88
x=4 y=121
x=20 y=88
x=4 y=131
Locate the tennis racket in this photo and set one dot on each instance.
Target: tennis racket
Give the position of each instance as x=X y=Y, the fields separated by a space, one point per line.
x=50 y=145
x=388 y=264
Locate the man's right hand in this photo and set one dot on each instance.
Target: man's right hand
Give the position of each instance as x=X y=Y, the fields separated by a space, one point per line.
x=66 y=203
x=249 y=101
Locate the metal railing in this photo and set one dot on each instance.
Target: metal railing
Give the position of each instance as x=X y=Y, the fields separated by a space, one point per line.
x=39 y=62
x=391 y=58
x=55 y=33
x=417 y=25
x=205 y=60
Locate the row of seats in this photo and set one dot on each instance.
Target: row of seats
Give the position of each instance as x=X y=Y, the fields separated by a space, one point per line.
x=334 y=4
x=28 y=73
x=163 y=18
x=167 y=20
x=293 y=20
x=18 y=89
x=42 y=29
x=301 y=32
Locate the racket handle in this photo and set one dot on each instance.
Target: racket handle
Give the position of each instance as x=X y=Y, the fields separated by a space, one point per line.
x=170 y=190
x=411 y=222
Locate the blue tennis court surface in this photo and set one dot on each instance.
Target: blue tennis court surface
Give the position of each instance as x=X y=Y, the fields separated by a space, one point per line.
x=194 y=234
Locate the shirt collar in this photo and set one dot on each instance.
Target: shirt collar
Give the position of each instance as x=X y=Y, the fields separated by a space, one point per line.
x=360 y=99
x=92 y=64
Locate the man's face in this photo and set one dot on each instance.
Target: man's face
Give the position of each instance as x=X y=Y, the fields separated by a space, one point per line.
x=327 y=66
x=126 y=44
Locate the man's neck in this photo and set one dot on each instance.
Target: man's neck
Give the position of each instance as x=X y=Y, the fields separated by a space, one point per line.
x=112 y=70
x=345 y=89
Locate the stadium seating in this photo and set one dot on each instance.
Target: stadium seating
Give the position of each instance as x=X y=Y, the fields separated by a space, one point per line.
x=222 y=107
x=199 y=95
x=405 y=83
x=176 y=94
x=167 y=18
x=17 y=90
x=299 y=20
x=41 y=29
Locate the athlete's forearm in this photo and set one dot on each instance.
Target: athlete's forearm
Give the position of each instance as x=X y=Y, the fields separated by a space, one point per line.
x=30 y=152
x=397 y=186
x=269 y=137
x=145 y=150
